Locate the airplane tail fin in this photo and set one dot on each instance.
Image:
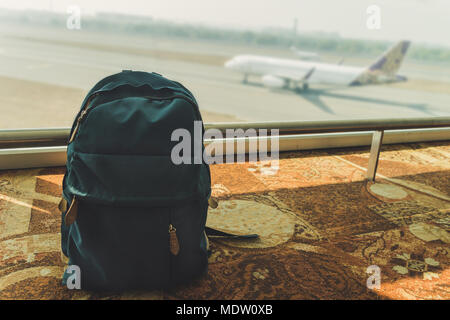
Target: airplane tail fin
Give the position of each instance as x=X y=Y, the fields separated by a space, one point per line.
x=389 y=62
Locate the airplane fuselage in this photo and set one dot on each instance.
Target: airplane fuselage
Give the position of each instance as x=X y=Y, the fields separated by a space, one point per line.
x=292 y=69
x=278 y=73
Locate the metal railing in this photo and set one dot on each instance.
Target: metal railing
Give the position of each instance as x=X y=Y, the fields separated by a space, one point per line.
x=327 y=126
x=15 y=138
x=289 y=131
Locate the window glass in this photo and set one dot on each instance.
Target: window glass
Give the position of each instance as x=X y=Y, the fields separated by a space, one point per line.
x=243 y=60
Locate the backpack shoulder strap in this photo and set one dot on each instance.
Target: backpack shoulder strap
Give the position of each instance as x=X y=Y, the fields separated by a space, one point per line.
x=218 y=234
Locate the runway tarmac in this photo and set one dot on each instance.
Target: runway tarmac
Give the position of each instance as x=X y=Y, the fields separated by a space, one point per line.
x=78 y=61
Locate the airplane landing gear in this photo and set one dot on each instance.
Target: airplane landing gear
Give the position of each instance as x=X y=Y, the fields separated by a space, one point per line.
x=245 y=80
x=301 y=89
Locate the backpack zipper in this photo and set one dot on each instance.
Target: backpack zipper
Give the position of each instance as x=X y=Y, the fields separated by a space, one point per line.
x=85 y=107
x=72 y=212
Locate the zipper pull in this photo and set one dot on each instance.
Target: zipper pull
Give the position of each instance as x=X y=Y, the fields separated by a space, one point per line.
x=83 y=113
x=173 y=240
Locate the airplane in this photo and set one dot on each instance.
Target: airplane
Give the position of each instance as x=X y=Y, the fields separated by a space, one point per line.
x=283 y=73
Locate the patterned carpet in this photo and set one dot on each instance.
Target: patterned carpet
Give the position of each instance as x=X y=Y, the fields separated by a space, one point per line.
x=321 y=227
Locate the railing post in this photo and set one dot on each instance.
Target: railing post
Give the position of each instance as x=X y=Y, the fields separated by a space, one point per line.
x=377 y=140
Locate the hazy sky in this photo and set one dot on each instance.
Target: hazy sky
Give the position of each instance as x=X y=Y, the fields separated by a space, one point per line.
x=417 y=20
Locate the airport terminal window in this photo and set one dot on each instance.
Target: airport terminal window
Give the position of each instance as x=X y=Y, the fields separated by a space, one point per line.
x=249 y=61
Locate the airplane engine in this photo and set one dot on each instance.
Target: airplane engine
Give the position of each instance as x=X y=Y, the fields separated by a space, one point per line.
x=273 y=81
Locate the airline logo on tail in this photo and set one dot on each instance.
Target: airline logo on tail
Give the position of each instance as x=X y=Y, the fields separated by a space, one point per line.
x=386 y=66
x=389 y=63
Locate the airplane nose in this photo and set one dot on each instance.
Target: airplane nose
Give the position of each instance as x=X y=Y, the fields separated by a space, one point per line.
x=229 y=64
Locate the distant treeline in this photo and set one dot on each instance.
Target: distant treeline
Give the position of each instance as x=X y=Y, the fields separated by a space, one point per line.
x=312 y=41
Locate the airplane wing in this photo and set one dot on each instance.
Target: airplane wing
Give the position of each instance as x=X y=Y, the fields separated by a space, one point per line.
x=308 y=74
x=294 y=76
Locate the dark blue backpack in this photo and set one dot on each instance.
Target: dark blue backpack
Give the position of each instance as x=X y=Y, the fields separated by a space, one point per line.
x=131 y=218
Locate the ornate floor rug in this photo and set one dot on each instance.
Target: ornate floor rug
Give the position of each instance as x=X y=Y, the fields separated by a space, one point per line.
x=325 y=233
